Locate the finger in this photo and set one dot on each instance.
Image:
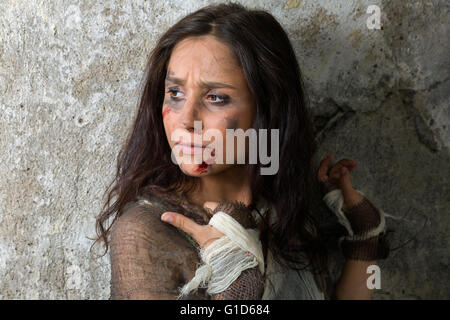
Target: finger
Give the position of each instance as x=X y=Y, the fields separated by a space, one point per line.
x=182 y=222
x=346 y=162
x=335 y=171
x=351 y=196
x=207 y=235
x=210 y=205
x=323 y=168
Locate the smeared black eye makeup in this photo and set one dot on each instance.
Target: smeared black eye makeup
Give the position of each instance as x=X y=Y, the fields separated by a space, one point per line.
x=174 y=90
x=175 y=103
x=232 y=123
x=214 y=99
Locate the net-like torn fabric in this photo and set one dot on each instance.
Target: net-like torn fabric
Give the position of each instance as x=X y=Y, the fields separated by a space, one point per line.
x=146 y=265
x=366 y=239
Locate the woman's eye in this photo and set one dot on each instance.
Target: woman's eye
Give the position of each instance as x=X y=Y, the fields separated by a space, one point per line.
x=175 y=91
x=216 y=99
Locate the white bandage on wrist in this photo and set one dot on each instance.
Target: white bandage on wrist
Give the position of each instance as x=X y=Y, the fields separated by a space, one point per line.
x=225 y=258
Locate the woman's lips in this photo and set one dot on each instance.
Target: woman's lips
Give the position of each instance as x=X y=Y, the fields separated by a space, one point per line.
x=191 y=148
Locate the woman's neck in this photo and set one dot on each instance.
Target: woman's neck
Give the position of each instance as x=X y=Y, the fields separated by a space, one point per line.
x=232 y=184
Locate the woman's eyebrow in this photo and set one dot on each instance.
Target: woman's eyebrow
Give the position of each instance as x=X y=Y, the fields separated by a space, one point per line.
x=202 y=84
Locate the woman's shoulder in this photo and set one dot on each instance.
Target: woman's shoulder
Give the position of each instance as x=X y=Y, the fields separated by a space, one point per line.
x=147 y=253
x=141 y=218
x=137 y=220
x=141 y=210
x=147 y=208
x=140 y=225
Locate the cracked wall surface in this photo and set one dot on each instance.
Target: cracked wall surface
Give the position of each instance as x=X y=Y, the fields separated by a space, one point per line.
x=69 y=78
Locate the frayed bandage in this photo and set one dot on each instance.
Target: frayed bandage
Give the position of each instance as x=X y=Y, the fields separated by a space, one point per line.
x=225 y=258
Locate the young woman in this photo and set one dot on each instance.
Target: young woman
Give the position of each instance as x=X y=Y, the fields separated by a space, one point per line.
x=255 y=235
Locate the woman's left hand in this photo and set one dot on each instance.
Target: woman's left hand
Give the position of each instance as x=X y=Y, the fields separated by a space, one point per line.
x=338 y=177
x=204 y=235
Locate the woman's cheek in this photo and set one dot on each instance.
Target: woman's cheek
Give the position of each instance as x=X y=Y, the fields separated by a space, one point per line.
x=232 y=123
x=167 y=123
x=165 y=111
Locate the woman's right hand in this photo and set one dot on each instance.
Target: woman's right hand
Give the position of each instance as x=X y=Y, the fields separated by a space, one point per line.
x=338 y=177
x=204 y=235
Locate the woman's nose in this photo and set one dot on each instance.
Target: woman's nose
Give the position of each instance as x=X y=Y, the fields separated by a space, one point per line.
x=190 y=113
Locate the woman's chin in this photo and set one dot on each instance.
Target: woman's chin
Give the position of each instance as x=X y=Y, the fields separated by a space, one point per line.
x=197 y=170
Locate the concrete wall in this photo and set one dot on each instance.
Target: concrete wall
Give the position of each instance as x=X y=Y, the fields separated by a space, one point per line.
x=69 y=75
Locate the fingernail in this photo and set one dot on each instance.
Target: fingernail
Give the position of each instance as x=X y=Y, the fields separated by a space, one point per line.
x=343 y=170
x=166 y=217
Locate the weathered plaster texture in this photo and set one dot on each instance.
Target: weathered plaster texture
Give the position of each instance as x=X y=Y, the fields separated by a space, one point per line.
x=69 y=78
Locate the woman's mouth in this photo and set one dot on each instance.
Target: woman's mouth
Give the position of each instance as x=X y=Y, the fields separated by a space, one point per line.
x=191 y=148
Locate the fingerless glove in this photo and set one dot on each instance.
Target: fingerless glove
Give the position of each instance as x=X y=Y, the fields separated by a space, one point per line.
x=365 y=224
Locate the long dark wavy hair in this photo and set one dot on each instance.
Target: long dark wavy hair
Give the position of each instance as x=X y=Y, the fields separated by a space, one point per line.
x=269 y=64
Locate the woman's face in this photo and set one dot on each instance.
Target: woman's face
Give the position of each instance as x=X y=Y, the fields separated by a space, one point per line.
x=204 y=83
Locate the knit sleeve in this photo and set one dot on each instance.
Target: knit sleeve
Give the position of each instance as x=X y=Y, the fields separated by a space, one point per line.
x=248 y=286
x=144 y=264
x=366 y=239
x=363 y=218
